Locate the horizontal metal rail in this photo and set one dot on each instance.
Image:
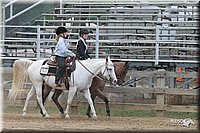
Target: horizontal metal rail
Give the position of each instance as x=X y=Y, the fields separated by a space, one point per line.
x=112 y=27
x=121 y=21
x=144 y=9
x=114 y=34
x=132 y=60
x=105 y=41
x=128 y=2
x=114 y=15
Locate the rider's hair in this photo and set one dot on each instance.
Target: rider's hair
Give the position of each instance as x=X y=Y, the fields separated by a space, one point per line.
x=57 y=37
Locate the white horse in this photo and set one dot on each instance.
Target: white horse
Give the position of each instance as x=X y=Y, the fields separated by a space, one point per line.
x=81 y=80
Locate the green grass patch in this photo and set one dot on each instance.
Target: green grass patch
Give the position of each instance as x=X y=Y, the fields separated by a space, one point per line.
x=182 y=115
x=18 y=109
x=102 y=112
x=140 y=113
x=133 y=113
x=30 y=109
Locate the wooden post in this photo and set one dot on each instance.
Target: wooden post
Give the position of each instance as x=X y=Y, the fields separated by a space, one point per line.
x=160 y=97
x=160 y=101
x=74 y=106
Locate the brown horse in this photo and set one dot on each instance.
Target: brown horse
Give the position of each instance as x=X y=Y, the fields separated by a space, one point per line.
x=121 y=69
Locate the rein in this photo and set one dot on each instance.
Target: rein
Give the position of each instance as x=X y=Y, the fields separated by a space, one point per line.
x=102 y=78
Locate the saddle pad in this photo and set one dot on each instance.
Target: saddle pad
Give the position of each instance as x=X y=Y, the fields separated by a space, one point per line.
x=44 y=70
x=48 y=70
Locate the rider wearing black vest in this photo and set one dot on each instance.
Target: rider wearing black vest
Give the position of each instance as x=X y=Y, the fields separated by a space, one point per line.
x=82 y=47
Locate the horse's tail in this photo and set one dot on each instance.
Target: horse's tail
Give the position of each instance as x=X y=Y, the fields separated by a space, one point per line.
x=20 y=76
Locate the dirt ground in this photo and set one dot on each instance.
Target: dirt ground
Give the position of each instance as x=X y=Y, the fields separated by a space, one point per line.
x=82 y=123
x=34 y=122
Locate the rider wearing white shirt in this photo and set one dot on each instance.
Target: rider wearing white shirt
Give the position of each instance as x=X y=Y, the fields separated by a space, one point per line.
x=62 y=48
x=62 y=52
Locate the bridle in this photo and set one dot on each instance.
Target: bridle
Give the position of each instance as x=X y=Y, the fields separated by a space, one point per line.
x=98 y=76
x=106 y=68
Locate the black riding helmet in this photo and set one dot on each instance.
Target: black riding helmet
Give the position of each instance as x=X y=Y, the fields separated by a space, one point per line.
x=83 y=31
x=61 y=30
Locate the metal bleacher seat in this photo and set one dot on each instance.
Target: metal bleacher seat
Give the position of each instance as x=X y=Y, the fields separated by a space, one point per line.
x=122 y=25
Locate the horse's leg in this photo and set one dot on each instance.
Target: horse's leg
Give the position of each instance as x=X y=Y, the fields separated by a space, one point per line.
x=89 y=109
x=89 y=99
x=30 y=94
x=55 y=99
x=71 y=94
x=105 y=99
x=38 y=88
x=96 y=83
x=46 y=90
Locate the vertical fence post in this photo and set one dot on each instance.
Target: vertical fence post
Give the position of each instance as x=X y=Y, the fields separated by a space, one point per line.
x=3 y=23
x=97 y=39
x=1 y=20
x=61 y=6
x=2 y=91
x=74 y=107
x=160 y=97
x=157 y=45
x=158 y=26
x=38 y=42
x=61 y=10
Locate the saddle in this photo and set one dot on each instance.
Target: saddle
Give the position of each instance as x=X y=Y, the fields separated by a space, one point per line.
x=70 y=65
x=52 y=61
x=50 y=66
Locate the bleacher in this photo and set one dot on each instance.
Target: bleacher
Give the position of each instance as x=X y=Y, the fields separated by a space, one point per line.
x=145 y=32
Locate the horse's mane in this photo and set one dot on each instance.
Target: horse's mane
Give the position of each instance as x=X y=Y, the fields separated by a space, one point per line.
x=92 y=60
x=88 y=60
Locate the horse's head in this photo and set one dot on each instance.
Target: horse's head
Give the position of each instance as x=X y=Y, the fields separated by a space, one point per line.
x=109 y=71
x=121 y=69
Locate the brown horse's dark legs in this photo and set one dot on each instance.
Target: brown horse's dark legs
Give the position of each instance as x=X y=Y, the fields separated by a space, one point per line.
x=55 y=99
x=46 y=90
x=105 y=99
x=107 y=107
x=89 y=109
x=46 y=93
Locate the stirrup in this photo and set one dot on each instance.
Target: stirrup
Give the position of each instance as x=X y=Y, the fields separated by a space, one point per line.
x=68 y=78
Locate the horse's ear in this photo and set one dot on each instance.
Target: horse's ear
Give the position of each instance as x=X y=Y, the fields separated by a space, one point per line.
x=106 y=59
x=127 y=64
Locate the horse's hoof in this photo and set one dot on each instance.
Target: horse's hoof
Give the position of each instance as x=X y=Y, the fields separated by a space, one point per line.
x=24 y=114
x=89 y=116
x=46 y=116
x=108 y=117
x=62 y=115
x=94 y=117
x=67 y=117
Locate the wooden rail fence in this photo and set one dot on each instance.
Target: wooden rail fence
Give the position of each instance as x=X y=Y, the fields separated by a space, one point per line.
x=160 y=91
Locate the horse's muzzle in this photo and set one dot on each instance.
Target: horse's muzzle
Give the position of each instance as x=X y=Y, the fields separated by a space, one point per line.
x=114 y=82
